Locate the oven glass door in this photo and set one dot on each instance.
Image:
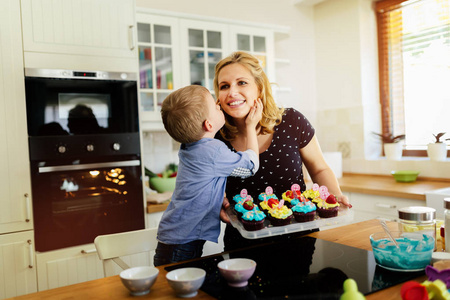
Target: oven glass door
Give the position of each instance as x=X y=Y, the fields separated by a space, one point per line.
x=59 y=107
x=73 y=204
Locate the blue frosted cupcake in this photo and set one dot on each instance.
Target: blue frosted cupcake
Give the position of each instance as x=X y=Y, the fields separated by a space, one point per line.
x=253 y=220
x=304 y=211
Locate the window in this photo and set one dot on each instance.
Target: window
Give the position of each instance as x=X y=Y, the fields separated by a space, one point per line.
x=414 y=66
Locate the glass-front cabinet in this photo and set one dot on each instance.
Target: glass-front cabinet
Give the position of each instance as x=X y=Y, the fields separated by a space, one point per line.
x=158 y=62
x=204 y=45
x=256 y=41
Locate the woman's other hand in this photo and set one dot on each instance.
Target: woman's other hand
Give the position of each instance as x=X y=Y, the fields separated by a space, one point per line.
x=343 y=199
x=223 y=214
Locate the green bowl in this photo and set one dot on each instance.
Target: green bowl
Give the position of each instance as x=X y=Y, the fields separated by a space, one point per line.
x=162 y=185
x=405 y=176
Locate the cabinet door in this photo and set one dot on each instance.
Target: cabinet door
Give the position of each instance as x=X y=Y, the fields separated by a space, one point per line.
x=68 y=266
x=258 y=42
x=85 y=27
x=17 y=269
x=159 y=71
x=203 y=44
x=15 y=187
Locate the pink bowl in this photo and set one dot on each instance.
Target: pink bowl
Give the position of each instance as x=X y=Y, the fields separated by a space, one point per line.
x=237 y=271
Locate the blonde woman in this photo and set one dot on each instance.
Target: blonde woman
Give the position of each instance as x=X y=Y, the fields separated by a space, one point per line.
x=286 y=139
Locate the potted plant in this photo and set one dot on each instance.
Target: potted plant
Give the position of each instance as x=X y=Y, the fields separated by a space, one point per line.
x=437 y=151
x=392 y=148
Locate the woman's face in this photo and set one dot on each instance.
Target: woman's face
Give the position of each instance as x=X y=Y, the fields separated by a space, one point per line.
x=237 y=90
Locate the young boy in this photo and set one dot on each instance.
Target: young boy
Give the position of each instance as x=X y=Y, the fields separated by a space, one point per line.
x=192 y=117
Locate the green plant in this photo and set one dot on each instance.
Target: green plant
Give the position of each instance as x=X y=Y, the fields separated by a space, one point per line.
x=438 y=137
x=388 y=138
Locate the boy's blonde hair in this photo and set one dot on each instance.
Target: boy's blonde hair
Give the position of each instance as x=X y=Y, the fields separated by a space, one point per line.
x=271 y=115
x=183 y=113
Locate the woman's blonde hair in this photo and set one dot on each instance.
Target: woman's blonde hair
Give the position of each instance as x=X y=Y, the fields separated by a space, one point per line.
x=271 y=115
x=183 y=113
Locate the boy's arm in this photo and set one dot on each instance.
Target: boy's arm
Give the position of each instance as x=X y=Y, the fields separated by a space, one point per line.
x=251 y=122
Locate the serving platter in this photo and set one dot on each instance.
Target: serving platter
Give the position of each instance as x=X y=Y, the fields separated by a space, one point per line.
x=345 y=215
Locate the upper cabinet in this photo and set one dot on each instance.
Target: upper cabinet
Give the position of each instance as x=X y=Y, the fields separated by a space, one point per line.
x=193 y=45
x=94 y=34
x=204 y=44
x=159 y=63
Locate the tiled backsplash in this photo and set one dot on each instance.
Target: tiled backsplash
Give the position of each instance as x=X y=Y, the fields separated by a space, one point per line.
x=159 y=150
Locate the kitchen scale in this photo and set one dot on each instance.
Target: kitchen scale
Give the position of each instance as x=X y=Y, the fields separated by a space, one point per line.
x=302 y=268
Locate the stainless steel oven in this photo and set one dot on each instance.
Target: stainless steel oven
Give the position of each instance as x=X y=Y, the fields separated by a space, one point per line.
x=85 y=156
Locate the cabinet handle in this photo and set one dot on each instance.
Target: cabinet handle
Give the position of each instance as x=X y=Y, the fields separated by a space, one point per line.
x=131 y=37
x=89 y=251
x=30 y=251
x=382 y=205
x=27 y=207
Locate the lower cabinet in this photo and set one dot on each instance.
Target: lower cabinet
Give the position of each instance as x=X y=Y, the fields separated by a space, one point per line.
x=368 y=207
x=68 y=266
x=17 y=267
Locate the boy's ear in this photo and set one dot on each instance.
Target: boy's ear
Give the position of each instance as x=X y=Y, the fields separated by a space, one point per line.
x=207 y=125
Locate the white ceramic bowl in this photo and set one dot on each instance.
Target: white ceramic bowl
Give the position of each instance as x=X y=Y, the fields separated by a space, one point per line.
x=186 y=281
x=237 y=271
x=139 y=280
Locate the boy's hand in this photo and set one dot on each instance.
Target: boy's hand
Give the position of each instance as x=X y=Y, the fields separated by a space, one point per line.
x=255 y=114
x=223 y=213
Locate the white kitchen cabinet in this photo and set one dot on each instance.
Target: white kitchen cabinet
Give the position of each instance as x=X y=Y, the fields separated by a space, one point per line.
x=204 y=44
x=85 y=27
x=17 y=267
x=68 y=266
x=15 y=191
x=159 y=67
x=367 y=206
x=194 y=45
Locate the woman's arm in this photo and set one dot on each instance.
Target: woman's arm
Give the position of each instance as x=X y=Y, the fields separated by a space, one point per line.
x=320 y=171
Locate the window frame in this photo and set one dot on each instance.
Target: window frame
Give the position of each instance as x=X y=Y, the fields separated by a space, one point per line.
x=381 y=8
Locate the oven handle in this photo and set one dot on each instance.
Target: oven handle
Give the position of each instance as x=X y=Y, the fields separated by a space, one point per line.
x=115 y=164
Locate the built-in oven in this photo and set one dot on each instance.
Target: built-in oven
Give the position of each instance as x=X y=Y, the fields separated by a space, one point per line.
x=85 y=156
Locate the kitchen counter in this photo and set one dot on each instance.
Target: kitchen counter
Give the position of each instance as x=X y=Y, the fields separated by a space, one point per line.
x=356 y=235
x=381 y=185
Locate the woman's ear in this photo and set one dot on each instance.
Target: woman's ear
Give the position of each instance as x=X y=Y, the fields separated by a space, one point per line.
x=207 y=126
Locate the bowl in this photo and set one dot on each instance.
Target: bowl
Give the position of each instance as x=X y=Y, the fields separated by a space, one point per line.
x=139 y=280
x=186 y=281
x=162 y=185
x=237 y=271
x=405 y=176
x=414 y=252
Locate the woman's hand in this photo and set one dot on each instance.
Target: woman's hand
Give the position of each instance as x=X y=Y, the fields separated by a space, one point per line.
x=342 y=199
x=223 y=214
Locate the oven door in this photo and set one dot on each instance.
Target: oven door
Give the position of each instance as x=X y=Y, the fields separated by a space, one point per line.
x=73 y=204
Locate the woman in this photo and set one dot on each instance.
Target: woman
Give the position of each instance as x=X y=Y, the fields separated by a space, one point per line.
x=285 y=137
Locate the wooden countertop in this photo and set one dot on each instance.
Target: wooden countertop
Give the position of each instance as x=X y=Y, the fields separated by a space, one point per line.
x=381 y=185
x=355 y=235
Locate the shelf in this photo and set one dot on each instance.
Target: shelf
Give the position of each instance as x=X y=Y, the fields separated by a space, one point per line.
x=282 y=89
x=307 y=2
x=282 y=61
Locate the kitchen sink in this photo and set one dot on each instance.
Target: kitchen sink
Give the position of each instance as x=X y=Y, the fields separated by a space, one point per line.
x=435 y=199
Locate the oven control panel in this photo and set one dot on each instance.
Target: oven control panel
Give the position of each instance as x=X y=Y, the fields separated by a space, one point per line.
x=83 y=146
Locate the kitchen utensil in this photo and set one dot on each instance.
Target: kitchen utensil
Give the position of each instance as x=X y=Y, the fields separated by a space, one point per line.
x=237 y=271
x=405 y=176
x=139 y=280
x=186 y=281
x=388 y=232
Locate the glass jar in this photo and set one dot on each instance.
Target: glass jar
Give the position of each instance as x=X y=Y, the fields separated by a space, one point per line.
x=447 y=223
x=420 y=219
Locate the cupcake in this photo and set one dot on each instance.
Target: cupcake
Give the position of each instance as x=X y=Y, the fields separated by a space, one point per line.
x=280 y=215
x=312 y=195
x=293 y=196
x=253 y=220
x=328 y=208
x=269 y=204
x=244 y=206
x=242 y=196
x=268 y=194
x=304 y=211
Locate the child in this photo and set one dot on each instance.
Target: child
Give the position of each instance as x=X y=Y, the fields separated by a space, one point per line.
x=192 y=117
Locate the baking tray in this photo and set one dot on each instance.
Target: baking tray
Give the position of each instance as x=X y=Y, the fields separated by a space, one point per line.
x=345 y=215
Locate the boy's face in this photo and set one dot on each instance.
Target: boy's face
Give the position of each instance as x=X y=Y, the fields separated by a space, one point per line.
x=216 y=116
